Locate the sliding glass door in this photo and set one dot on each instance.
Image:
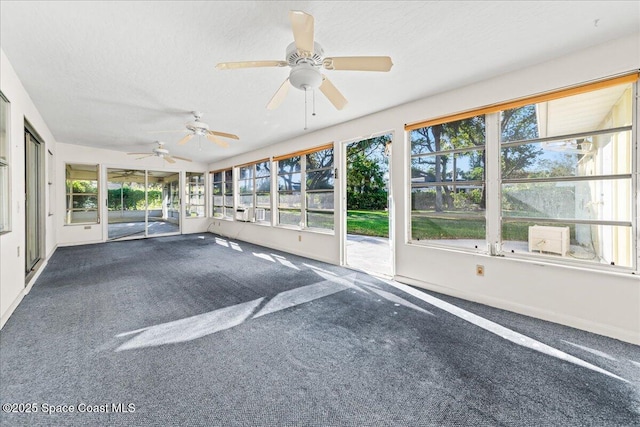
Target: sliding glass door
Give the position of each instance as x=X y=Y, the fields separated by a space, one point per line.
x=142 y=203
x=163 y=202
x=33 y=202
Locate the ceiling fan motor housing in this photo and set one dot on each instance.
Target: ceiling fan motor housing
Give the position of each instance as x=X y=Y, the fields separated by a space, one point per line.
x=197 y=127
x=305 y=67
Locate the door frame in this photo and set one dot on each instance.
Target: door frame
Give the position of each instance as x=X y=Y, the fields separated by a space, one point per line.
x=30 y=134
x=104 y=210
x=343 y=197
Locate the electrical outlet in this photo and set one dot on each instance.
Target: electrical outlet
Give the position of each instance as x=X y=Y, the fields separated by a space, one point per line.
x=479 y=270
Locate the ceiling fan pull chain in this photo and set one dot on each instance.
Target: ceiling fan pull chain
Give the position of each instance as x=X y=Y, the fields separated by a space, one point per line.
x=314 y=103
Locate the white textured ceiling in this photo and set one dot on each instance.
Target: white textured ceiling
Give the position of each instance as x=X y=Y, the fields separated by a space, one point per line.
x=108 y=74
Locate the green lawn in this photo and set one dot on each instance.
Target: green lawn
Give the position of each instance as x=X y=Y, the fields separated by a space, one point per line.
x=368 y=223
x=430 y=227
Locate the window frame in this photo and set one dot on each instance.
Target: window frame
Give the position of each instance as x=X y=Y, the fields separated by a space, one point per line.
x=5 y=160
x=225 y=184
x=189 y=193
x=70 y=195
x=452 y=185
x=495 y=182
x=254 y=193
x=304 y=209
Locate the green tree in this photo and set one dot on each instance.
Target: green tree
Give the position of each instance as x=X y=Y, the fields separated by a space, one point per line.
x=366 y=168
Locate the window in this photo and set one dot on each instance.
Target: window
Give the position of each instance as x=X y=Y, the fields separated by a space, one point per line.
x=562 y=167
x=254 y=190
x=567 y=165
x=448 y=194
x=81 y=194
x=5 y=201
x=222 y=191
x=195 y=205
x=305 y=189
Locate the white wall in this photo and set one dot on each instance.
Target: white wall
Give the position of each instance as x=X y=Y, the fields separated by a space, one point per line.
x=12 y=244
x=602 y=302
x=82 y=234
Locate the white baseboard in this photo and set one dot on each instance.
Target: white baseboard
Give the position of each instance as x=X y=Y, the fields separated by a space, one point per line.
x=599 y=328
x=6 y=315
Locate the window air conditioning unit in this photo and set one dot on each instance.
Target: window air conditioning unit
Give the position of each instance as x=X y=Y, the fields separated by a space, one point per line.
x=549 y=239
x=244 y=214
x=260 y=214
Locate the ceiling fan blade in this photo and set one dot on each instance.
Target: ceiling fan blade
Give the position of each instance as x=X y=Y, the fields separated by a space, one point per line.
x=302 y=26
x=358 y=63
x=250 y=64
x=217 y=140
x=139 y=154
x=144 y=157
x=226 y=135
x=169 y=159
x=332 y=93
x=279 y=96
x=181 y=158
x=185 y=139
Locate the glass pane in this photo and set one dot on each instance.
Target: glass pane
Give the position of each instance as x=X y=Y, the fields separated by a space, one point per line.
x=448 y=217
x=263 y=169
x=286 y=200
x=228 y=175
x=4 y=136
x=263 y=200
x=84 y=202
x=228 y=201
x=449 y=230
x=218 y=200
x=323 y=200
x=449 y=199
x=320 y=180
x=466 y=166
x=245 y=172
x=289 y=217
x=448 y=136
x=604 y=244
x=289 y=182
x=606 y=154
x=263 y=215
x=217 y=188
x=601 y=109
x=289 y=165
x=607 y=200
x=320 y=159
x=320 y=220
x=263 y=185
x=245 y=200
x=245 y=186
x=218 y=211
x=228 y=212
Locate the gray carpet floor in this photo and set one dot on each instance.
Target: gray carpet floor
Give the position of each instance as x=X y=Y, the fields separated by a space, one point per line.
x=197 y=330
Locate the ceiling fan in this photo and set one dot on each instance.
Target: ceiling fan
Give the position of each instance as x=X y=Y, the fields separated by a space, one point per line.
x=198 y=128
x=306 y=58
x=161 y=152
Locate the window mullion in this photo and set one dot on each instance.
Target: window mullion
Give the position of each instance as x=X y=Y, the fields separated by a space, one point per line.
x=303 y=191
x=492 y=182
